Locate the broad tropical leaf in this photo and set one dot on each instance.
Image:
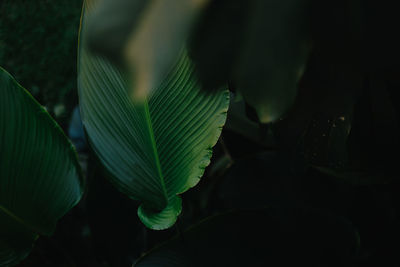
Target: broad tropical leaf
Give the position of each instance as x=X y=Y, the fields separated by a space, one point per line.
x=274 y=55
x=152 y=150
x=40 y=178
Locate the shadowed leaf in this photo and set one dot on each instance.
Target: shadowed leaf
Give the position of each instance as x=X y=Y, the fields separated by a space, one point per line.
x=40 y=176
x=274 y=55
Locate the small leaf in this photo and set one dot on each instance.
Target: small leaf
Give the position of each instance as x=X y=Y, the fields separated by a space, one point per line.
x=40 y=178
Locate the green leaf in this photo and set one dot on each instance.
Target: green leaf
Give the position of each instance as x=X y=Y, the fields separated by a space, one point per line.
x=274 y=55
x=40 y=178
x=156 y=149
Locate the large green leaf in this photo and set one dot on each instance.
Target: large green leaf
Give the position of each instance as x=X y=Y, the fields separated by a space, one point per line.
x=156 y=149
x=40 y=178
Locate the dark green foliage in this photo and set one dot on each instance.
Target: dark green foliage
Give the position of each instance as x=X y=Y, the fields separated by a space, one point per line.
x=239 y=42
x=273 y=58
x=317 y=186
x=38 y=47
x=40 y=178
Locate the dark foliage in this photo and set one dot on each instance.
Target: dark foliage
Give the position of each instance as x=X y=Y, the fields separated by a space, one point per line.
x=38 y=47
x=325 y=194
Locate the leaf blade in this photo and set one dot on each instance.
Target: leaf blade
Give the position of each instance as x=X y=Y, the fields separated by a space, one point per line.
x=40 y=178
x=156 y=149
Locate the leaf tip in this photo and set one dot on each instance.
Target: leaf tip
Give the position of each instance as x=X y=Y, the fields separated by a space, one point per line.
x=161 y=220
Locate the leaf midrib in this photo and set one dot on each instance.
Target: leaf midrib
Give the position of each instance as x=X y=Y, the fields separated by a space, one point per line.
x=154 y=148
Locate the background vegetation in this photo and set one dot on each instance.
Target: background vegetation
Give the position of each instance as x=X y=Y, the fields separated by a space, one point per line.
x=38 y=47
x=343 y=218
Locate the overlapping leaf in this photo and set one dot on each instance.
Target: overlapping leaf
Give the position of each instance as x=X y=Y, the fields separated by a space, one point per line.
x=152 y=150
x=145 y=36
x=274 y=55
x=40 y=177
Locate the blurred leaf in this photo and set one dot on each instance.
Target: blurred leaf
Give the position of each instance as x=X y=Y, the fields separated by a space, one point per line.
x=153 y=150
x=40 y=177
x=274 y=56
x=149 y=35
x=262 y=237
x=153 y=49
x=110 y=24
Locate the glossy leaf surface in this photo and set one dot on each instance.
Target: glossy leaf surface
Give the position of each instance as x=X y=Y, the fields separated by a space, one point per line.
x=156 y=149
x=40 y=176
